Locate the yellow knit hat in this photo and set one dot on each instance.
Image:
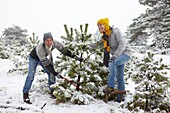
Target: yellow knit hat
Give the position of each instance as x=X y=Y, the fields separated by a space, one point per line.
x=105 y=22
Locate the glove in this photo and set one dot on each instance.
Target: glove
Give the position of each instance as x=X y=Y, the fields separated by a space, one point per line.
x=58 y=75
x=112 y=59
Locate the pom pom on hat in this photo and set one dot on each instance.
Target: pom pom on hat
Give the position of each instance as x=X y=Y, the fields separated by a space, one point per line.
x=104 y=21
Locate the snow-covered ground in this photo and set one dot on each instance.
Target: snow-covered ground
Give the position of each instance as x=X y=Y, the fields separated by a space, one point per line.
x=11 y=96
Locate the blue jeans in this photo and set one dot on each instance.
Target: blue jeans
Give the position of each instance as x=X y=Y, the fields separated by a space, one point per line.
x=33 y=63
x=116 y=70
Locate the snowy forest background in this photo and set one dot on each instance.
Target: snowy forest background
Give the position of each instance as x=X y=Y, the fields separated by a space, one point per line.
x=149 y=37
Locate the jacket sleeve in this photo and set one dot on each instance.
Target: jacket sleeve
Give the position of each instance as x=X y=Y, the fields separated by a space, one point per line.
x=63 y=50
x=121 y=42
x=51 y=69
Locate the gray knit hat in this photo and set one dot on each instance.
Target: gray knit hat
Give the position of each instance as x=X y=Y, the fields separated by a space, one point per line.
x=47 y=35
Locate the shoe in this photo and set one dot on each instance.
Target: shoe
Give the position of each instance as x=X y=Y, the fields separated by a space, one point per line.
x=53 y=96
x=119 y=101
x=26 y=98
x=108 y=90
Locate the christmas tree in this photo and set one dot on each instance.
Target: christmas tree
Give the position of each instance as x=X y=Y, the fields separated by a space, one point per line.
x=90 y=75
x=151 y=91
x=3 y=54
x=21 y=53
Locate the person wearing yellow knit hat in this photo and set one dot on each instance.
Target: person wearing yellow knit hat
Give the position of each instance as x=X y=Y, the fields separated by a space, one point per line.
x=116 y=45
x=103 y=25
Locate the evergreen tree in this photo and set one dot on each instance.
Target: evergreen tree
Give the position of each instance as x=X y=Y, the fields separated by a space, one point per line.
x=15 y=33
x=90 y=74
x=2 y=50
x=154 y=23
x=151 y=85
x=13 y=38
x=21 y=53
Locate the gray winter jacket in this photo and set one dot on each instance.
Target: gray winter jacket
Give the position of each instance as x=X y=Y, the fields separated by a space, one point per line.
x=118 y=43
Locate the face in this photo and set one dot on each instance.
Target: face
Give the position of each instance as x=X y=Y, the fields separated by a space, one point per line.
x=101 y=28
x=48 y=42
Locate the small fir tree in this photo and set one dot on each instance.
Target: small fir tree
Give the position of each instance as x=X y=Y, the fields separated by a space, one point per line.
x=3 y=54
x=90 y=75
x=21 y=54
x=151 y=85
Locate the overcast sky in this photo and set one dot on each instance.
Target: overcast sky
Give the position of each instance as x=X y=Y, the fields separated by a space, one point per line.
x=42 y=16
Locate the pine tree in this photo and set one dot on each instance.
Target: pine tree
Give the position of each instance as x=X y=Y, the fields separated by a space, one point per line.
x=13 y=38
x=21 y=53
x=15 y=33
x=151 y=85
x=154 y=23
x=2 y=50
x=90 y=74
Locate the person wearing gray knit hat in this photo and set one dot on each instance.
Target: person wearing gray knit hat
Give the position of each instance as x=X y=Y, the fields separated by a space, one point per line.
x=42 y=55
x=47 y=35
